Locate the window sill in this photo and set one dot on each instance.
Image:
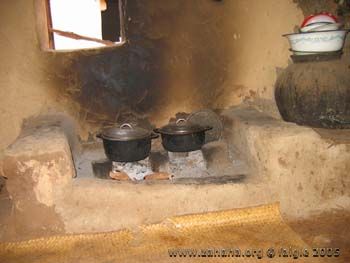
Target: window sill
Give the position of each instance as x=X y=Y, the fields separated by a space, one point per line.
x=86 y=50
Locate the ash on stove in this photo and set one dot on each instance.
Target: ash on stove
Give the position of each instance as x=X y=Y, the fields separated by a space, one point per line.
x=135 y=170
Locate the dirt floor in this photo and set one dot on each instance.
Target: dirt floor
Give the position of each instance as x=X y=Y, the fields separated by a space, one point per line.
x=326 y=230
x=7 y=226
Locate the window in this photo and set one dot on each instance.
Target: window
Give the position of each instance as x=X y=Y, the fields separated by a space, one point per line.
x=82 y=24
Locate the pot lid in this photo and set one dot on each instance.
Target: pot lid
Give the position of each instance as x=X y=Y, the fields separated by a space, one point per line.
x=210 y=118
x=125 y=132
x=182 y=127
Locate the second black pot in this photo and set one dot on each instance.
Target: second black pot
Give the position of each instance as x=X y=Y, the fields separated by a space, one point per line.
x=183 y=143
x=182 y=136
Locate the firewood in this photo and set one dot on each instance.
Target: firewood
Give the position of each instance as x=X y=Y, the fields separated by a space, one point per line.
x=119 y=176
x=158 y=176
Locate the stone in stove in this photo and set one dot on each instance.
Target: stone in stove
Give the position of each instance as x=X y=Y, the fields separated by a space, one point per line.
x=186 y=165
x=101 y=168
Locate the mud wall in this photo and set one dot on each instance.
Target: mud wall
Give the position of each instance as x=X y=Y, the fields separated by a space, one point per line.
x=29 y=78
x=185 y=55
x=181 y=56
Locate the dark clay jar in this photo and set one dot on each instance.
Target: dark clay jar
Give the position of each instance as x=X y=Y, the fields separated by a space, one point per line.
x=315 y=94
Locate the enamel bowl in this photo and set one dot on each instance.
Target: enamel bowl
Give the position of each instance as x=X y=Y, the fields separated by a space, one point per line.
x=324 y=41
x=303 y=53
x=323 y=17
x=320 y=27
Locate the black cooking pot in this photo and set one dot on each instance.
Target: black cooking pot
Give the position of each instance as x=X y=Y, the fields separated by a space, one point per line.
x=126 y=143
x=183 y=136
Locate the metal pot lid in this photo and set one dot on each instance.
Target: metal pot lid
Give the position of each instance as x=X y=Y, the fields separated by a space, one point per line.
x=182 y=127
x=125 y=132
x=210 y=118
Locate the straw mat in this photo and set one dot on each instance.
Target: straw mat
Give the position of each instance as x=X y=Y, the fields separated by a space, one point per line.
x=198 y=238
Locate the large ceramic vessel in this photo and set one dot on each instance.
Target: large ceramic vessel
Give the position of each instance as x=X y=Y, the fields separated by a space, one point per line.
x=315 y=94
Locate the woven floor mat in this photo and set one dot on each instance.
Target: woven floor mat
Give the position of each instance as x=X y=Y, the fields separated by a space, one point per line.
x=239 y=235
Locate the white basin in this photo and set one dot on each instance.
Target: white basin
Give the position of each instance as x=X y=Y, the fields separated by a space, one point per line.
x=325 y=41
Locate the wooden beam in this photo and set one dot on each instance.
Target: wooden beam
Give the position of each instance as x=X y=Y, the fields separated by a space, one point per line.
x=49 y=24
x=122 y=13
x=81 y=37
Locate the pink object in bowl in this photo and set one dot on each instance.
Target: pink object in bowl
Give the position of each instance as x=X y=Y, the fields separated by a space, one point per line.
x=323 y=17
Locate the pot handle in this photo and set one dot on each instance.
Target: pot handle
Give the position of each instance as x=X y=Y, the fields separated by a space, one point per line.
x=180 y=120
x=154 y=135
x=208 y=128
x=126 y=125
x=99 y=135
x=156 y=130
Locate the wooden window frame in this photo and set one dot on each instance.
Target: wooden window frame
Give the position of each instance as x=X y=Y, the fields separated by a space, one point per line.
x=46 y=32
